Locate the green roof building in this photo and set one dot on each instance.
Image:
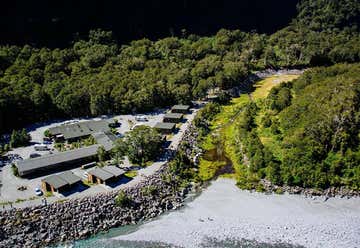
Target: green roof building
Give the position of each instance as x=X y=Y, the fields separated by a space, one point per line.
x=173 y=117
x=165 y=127
x=184 y=109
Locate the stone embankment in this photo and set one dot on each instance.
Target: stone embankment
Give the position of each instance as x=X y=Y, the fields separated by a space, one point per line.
x=80 y=218
x=330 y=192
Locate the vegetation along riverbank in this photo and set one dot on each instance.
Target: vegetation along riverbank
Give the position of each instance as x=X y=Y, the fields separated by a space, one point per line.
x=289 y=136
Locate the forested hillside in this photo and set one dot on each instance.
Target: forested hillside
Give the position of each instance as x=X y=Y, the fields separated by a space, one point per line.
x=306 y=132
x=98 y=76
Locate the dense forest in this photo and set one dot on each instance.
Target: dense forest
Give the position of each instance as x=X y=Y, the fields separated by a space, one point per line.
x=311 y=128
x=97 y=76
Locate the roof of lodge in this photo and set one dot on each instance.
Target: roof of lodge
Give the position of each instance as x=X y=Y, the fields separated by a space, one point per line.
x=114 y=170
x=80 y=129
x=164 y=125
x=60 y=180
x=105 y=139
x=101 y=173
x=70 y=177
x=181 y=107
x=27 y=165
x=173 y=115
x=55 y=181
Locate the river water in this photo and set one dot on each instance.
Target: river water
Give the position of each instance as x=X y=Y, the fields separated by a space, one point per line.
x=224 y=216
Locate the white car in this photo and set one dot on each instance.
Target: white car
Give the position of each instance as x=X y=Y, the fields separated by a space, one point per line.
x=141 y=118
x=38 y=192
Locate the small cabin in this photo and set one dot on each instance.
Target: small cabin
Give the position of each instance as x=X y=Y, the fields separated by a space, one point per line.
x=173 y=117
x=183 y=109
x=165 y=127
x=60 y=182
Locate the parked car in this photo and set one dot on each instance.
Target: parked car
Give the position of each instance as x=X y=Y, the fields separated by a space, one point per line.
x=41 y=148
x=119 y=135
x=141 y=118
x=34 y=155
x=86 y=175
x=38 y=192
x=46 y=142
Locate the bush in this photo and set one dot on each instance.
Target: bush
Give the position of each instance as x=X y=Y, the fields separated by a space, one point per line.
x=279 y=191
x=141 y=145
x=123 y=200
x=150 y=190
x=47 y=133
x=19 y=138
x=15 y=170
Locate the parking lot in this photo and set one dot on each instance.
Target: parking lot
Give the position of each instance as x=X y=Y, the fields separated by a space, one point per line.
x=9 y=190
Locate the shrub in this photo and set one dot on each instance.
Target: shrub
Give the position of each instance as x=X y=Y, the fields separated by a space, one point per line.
x=123 y=200
x=15 y=170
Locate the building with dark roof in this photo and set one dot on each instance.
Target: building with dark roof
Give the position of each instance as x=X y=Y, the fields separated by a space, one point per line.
x=184 y=109
x=105 y=174
x=59 y=182
x=173 y=117
x=57 y=161
x=105 y=139
x=78 y=130
x=63 y=160
x=165 y=127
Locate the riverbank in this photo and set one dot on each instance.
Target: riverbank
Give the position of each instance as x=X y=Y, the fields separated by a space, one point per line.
x=224 y=213
x=79 y=218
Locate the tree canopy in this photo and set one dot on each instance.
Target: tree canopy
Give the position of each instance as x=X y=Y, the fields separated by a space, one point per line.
x=314 y=124
x=97 y=76
x=141 y=145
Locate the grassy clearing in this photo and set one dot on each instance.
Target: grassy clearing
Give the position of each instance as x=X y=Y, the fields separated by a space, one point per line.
x=87 y=183
x=223 y=125
x=208 y=169
x=263 y=87
x=262 y=90
x=131 y=174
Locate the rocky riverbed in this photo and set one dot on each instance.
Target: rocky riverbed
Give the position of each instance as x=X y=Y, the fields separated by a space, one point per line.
x=225 y=216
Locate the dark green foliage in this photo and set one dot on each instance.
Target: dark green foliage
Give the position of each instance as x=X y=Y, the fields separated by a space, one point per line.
x=123 y=200
x=19 y=138
x=141 y=145
x=96 y=76
x=324 y=14
x=15 y=170
x=102 y=154
x=204 y=117
x=318 y=130
x=47 y=133
x=279 y=97
x=266 y=120
x=321 y=126
x=181 y=166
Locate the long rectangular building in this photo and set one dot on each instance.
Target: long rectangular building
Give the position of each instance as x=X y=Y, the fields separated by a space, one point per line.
x=57 y=161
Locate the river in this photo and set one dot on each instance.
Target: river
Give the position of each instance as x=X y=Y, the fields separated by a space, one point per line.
x=225 y=216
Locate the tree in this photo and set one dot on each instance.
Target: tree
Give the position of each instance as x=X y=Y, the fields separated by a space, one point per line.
x=140 y=145
x=19 y=138
x=123 y=200
x=101 y=153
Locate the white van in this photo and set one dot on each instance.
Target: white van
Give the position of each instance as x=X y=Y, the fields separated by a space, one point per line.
x=41 y=148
